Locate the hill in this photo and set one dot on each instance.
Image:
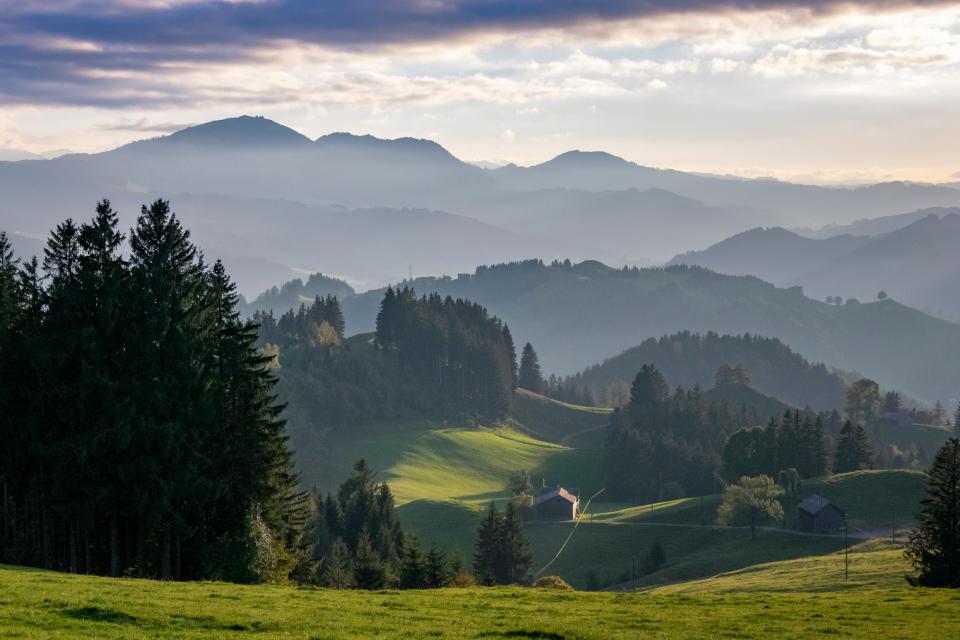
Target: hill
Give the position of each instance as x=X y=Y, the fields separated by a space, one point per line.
x=689 y=359
x=40 y=604
x=916 y=263
x=554 y=306
x=871 y=565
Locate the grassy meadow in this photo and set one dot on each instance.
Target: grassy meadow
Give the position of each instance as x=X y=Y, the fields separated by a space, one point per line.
x=38 y=604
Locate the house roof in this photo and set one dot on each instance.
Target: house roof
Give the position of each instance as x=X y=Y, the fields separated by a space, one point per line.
x=554 y=493
x=815 y=503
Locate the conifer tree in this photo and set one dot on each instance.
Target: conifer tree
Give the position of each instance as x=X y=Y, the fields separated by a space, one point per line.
x=369 y=570
x=485 y=550
x=436 y=575
x=853 y=449
x=514 y=559
x=530 y=376
x=412 y=570
x=338 y=568
x=934 y=545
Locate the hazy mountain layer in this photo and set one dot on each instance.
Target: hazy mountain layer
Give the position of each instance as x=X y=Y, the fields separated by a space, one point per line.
x=576 y=315
x=254 y=187
x=917 y=264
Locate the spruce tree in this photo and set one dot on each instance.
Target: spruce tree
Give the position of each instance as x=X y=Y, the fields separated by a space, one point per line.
x=530 y=377
x=485 y=549
x=853 y=449
x=514 y=559
x=436 y=575
x=934 y=544
x=369 y=570
x=338 y=567
x=412 y=570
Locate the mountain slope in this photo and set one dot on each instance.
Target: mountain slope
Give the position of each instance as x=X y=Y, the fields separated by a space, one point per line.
x=918 y=263
x=774 y=254
x=578 y=314
x=803 y=204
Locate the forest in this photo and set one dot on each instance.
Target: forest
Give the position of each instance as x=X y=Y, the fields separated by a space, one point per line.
x=142 y=435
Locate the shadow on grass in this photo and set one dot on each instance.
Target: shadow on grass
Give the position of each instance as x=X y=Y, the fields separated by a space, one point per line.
x=99 y=614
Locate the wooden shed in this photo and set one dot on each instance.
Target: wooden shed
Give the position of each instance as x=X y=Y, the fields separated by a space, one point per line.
x=818 y=515
x=556 y=504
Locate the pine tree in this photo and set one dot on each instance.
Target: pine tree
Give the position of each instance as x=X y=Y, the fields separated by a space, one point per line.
x=412 y=571
x=338 y=569
x=486 y=546
x=514 y=559
x=369 y=570
x=934 y=545
x=436 y=574
x=853 y=449
x=530 y=377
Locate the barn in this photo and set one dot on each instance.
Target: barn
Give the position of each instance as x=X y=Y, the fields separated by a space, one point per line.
x=556 y=504
x=818 y=515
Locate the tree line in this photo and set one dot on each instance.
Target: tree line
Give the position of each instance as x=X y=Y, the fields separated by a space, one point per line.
x=665 y=445
x=141 y=433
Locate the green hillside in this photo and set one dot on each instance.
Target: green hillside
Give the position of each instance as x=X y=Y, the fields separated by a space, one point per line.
x=41 y=605
x=443 y=476
x=872 y=565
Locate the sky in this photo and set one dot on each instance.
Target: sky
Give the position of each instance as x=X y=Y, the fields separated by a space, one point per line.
x=819 y=92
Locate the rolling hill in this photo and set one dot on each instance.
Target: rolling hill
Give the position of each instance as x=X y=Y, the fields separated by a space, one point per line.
x=916 y=264
x=688 y=360
x=577 y=314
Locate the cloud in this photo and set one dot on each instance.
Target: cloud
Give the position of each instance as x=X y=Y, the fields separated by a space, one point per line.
x=145 y=126
x=134 y=53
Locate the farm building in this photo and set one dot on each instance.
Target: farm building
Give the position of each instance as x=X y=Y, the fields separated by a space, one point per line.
x=556 y=504
x=817 y=514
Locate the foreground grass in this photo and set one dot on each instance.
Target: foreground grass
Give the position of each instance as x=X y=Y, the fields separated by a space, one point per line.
x=877 y=564
x=36 y=604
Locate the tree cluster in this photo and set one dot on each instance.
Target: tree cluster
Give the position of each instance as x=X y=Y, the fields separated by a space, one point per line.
x=796 y=442
x=462 y=360
x=140 y=428
x=501 y=552
x=667 y=443
x=357 y=541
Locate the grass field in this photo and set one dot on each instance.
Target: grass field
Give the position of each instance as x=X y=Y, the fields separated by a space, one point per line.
x=37 y=604
x=876 y=564
x=443 y=476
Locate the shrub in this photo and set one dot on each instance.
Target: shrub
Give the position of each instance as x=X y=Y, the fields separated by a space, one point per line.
x=552 y=582
x=463 y=580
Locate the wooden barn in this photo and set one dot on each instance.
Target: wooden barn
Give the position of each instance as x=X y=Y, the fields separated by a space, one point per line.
x=556 y=504
x=818 y=515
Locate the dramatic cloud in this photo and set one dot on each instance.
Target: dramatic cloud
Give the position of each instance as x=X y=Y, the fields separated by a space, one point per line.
x=101 y=53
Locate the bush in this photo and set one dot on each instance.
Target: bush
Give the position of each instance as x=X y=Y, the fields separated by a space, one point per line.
x=463 y=580
x=552 y=582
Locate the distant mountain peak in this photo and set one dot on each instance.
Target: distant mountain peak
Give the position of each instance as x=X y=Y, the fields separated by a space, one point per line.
x=577 y=157
x=366 y=141
x=242 y=131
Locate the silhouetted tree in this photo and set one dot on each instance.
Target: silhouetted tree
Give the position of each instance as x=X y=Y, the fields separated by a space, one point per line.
x=934 y=544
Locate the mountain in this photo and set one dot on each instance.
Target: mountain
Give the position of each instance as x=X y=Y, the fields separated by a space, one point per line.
x=577 y=314
x=688 y=359
x=580 y=205
x=16 y=155
x=876 y=226
x=801 y=204
x=775 y=254
x=917 y=264
x=244 y=132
